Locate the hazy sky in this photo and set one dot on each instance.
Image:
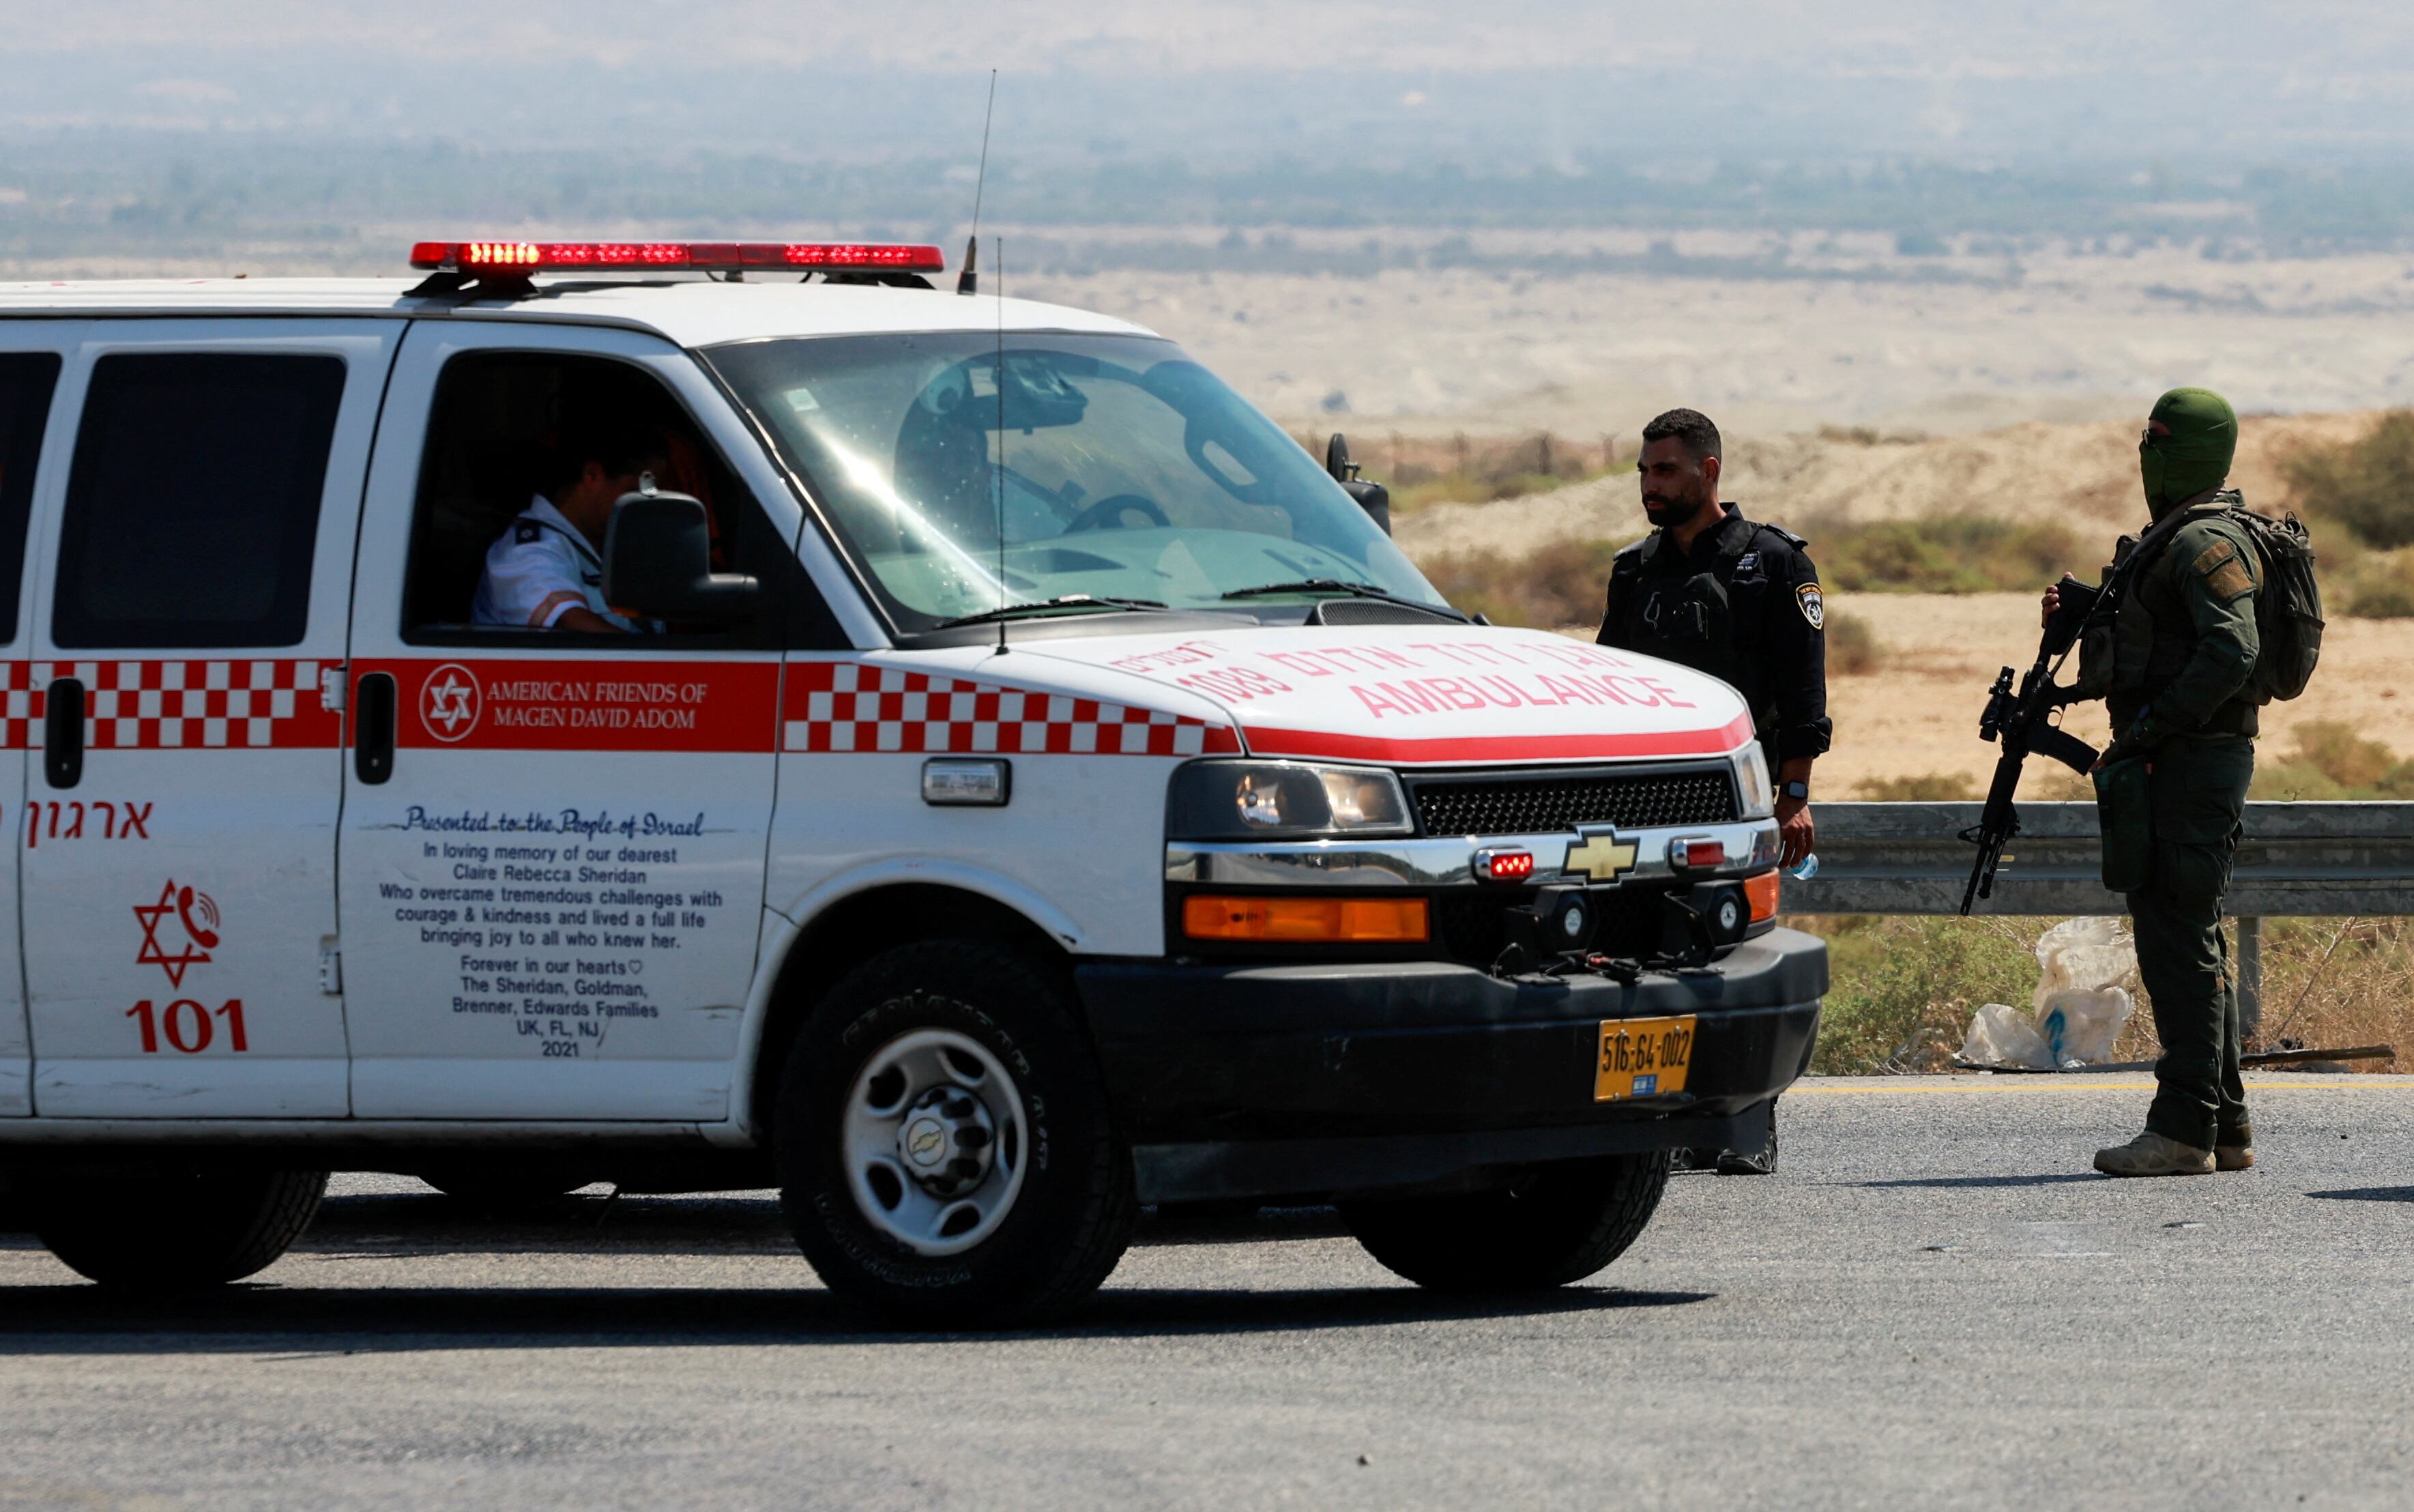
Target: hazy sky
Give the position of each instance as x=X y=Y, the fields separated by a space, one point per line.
x=2324 y=44
x=1723 y=76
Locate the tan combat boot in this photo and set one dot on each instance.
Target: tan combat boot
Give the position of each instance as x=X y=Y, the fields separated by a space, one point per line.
x=2233 y=1149
x=2151 y=1155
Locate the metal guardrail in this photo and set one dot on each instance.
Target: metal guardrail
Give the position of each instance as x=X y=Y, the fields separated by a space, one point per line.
x=2296 y=859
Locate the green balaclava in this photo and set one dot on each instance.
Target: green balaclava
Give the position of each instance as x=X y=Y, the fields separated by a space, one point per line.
x=2189 y=441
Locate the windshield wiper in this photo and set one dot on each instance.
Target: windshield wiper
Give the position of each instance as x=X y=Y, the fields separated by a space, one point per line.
x=1049 y=606
x=1336 y=585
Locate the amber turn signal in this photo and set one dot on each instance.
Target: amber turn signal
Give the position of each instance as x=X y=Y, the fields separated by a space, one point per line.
x=1305 y=921
x=1760 y=892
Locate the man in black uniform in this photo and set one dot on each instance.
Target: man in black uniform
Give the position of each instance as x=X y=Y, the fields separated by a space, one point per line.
x=1715 y=592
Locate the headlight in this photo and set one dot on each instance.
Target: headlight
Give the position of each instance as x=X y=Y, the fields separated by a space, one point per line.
x=1754 y=782
x=1283 y=799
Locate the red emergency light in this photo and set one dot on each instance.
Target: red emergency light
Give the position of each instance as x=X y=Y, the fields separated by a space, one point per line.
x=677 y=257
x=1503 y=866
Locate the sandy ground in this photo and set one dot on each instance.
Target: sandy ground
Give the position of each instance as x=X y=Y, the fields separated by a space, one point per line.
x=1847 y=334
x=1917 y=712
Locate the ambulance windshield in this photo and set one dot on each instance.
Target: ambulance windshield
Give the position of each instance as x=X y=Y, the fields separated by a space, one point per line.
x=1115 y=466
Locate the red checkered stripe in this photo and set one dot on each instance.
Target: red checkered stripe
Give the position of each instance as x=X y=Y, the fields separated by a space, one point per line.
x=850 y=706
x=167 y=706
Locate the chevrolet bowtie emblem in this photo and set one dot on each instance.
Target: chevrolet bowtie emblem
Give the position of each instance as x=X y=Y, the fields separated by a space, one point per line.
x=1602 y=858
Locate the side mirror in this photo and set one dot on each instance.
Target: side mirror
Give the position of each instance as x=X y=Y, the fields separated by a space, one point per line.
x=658 y=562
x=1372 y=497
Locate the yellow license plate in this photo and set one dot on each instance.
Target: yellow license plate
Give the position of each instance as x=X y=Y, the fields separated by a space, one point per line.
x=1643 y=1058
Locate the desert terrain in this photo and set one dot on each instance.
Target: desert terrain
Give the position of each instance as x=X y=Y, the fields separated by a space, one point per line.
x=1854 y=384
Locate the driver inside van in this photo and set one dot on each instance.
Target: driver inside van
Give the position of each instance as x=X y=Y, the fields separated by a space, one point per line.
x=545 y=571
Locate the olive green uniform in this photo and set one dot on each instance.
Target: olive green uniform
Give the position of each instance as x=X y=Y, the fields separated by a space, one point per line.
x=2184 y=650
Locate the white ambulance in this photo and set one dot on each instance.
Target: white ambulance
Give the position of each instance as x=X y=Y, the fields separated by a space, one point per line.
x=712 y=716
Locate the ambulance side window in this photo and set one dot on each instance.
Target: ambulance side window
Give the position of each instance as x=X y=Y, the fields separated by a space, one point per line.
x=192 y=509
x=498 y=430
x=27 y=380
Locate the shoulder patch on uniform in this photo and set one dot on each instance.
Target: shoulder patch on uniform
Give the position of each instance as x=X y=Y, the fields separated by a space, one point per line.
x=2230 y=580
x=2211 y=557
x=528 y=531
x=1813 y=607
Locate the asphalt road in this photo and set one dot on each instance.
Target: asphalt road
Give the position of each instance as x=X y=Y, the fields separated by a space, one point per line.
x=1934 y=1303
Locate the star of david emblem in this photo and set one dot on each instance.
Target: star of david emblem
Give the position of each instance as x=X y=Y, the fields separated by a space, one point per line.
x=197 y=918
x=448 y=702
x=1600 y=856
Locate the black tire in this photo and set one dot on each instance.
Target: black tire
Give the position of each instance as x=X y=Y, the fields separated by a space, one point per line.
x=501 y=1190
x=171 y=1236
x=1560 y=1223
x=1073 y=1217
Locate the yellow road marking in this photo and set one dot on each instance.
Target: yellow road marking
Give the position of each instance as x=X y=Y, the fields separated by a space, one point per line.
x=2080 y=1081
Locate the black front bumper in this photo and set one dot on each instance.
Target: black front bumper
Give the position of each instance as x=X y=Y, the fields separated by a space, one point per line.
x=1269 y=1080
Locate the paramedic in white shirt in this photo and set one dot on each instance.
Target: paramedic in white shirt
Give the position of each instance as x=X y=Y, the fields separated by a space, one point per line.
x=545 y=571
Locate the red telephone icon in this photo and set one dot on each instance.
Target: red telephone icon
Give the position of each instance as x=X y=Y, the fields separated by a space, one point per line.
x=207 y=938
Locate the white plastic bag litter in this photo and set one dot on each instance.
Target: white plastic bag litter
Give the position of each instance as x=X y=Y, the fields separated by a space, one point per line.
x=2081 y=1008
x=2001 y=1035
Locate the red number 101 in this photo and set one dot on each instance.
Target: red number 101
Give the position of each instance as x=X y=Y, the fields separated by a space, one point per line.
x=187 y=1026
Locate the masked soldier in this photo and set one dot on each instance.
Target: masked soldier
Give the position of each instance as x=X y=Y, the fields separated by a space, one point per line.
x=1715 y=592
x=2182 y=651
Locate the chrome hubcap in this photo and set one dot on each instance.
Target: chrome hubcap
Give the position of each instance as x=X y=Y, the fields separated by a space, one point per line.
x=935 y=1141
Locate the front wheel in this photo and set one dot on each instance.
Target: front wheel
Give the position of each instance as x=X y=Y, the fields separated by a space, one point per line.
x=1555 y=1224
x=166 y=1236
x=945 y=1152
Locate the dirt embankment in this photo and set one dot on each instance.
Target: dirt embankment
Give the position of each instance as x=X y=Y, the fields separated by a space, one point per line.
x=1914 y=712
x=2080 y=472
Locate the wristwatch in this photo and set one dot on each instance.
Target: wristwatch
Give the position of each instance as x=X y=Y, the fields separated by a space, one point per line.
x=1797 y=788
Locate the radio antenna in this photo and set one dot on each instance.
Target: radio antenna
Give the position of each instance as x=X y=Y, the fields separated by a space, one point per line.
x=998 y=474
x=968 y=281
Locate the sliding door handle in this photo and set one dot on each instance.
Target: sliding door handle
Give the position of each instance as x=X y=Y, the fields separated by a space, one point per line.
x=63 y=732
x=373 y=729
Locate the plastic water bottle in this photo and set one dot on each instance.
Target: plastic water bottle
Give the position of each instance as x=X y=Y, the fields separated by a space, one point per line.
x=1804 y=870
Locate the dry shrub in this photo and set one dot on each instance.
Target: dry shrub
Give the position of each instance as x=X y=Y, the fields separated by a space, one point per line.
x=2366 y=485
x=1462 y=470
x=1557 y=587
x=1948 y=554
x=1922 y=788
x=1905 y=988
x=2378 y=585
x=2330 y=762
x=1852 y=647
x=2333 y=984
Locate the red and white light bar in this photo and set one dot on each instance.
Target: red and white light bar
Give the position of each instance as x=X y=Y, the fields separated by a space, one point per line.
x=675 y=257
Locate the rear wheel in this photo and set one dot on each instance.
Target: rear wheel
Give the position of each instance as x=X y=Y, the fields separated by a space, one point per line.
x=166 y=1236
x=1555 y=1225
x=946 y=1156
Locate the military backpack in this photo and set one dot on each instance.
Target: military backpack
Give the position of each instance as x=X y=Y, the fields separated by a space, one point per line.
x=2287 y=608
x=2288 y=601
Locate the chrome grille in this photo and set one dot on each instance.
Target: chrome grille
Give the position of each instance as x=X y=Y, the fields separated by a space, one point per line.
x=1537 y=805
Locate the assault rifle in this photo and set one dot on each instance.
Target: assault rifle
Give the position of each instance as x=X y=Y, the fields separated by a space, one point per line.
x=2022 y=722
